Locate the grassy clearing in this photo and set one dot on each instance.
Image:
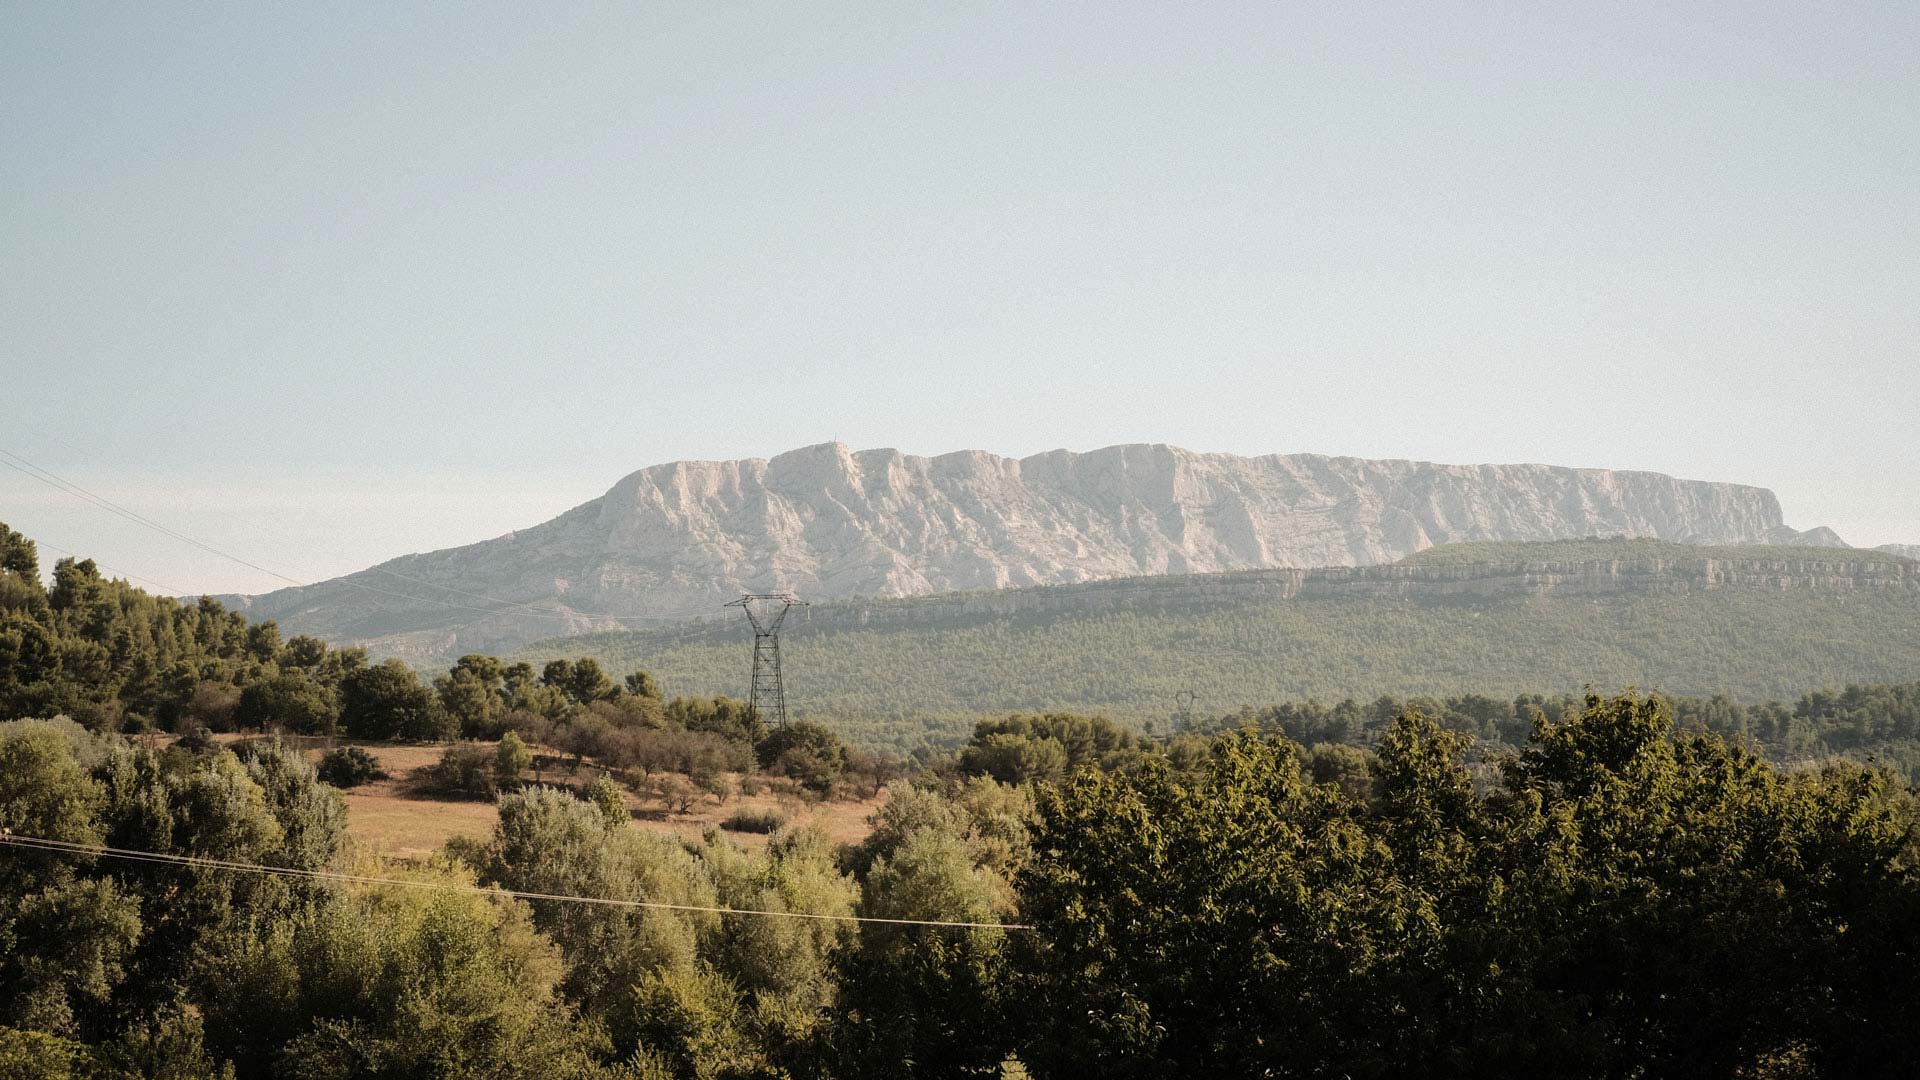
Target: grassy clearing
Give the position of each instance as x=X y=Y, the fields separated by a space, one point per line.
x=389 y=816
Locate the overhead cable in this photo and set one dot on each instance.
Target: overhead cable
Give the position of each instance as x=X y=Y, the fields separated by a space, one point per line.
x=35 y=843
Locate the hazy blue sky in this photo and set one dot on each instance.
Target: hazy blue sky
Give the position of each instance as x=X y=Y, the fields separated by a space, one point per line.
x=326 y=283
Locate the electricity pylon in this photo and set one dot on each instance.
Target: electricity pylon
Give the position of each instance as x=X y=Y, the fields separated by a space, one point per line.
x=766 y=611
x=1183 y=711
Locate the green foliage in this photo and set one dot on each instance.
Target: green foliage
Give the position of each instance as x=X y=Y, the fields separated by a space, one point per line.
x=465 y=770
x=922 y=1001
x=510 y=759
x=387 y=701
x=582 y=681
x=435 y=984
x=1626 y=903
x=606 y=795
x=35 y=1055
x=726 y=717
x=102 y=651
x=549 y=842
x=641 y=684
x=473 y=694
x=806 y=752
x=1625 y=900
x=349 y=767
x=292 y=700
x=893 y=673
x=113 y=969
x=1029 y=749
x=754 y=821
x=168 y=1044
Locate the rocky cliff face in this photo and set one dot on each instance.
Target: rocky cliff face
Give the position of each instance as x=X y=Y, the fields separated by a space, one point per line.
x=828 y=522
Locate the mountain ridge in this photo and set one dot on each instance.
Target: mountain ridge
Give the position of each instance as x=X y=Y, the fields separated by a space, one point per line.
x=826 y=521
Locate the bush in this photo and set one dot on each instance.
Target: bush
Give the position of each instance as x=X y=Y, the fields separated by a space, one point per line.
x=695 y=753
x=464 y=769
x=1015 y=759
x=1023 y=749
x=511 y=758
x=349 y=767
x=676 y=793
x=806 y=752
x=611 y=801
x=195 y=738
x=754 y=821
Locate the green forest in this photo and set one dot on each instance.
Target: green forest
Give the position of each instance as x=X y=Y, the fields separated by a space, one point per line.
x=1139 y=655
x=1468 y=884
x=1618 y=902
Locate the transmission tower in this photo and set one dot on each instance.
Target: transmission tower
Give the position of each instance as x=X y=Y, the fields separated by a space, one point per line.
x=766 y=611
x=1183 y=711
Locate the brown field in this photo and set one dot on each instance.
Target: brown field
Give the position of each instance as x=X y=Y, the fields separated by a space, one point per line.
x=398 y=823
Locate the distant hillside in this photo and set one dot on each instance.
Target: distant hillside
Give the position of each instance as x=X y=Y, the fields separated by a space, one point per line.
x=833 y=523
x=1487 y=618
x=1909 y=551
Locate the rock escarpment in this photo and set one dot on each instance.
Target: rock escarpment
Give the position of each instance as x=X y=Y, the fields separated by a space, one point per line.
x=828 y=522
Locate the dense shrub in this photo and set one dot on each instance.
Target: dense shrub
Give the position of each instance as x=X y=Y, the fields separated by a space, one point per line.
x=195 y=739
x=695 y=753
x=727 y=717
x=510 y=758
x=754 y=821
x=465 y=770
x=1021 y=749
x=606 y=795
x=805 y=752
x=350 y=766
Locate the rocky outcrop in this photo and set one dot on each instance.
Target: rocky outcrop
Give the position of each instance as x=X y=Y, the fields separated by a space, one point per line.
x=827 y=522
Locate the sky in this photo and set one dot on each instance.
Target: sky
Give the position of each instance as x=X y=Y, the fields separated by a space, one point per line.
x=317 y=285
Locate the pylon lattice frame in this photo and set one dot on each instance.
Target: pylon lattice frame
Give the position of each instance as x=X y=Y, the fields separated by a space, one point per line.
x=766 y=611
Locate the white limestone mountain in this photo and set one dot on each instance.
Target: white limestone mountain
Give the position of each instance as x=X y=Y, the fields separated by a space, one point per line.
x=828 y=522
x=1907 y=551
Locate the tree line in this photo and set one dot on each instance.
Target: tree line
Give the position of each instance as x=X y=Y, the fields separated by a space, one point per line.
x=117 y=659
x=1877 y=723
x=1620 y=900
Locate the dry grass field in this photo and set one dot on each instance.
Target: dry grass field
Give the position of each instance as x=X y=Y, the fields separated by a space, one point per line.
x=402 y=824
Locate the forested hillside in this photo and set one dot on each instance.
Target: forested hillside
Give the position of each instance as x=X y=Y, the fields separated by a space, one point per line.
x=1754 y=624
x=1618 y=888
x=115 y=659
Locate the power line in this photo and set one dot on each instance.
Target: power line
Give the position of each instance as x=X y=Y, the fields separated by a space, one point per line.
x=36 y=843
x=38 y=542
x=49 y=478
x=52 y=480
